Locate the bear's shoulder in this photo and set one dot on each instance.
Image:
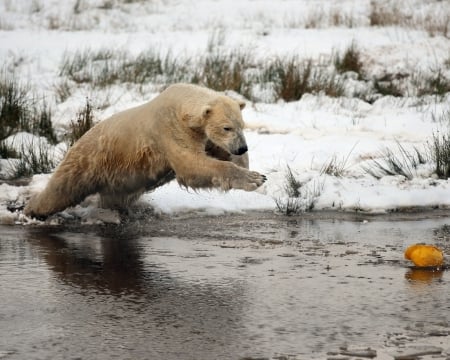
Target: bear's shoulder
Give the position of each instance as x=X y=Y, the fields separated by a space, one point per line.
x=182 y=91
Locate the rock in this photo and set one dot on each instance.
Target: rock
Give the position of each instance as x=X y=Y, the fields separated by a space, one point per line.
x=412 y=352
x=360 y=352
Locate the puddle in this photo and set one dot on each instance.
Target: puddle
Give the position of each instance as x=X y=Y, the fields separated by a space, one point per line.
x=231 y=287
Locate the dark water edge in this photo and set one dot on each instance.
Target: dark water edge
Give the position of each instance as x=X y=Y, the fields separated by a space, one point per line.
x=223 y=287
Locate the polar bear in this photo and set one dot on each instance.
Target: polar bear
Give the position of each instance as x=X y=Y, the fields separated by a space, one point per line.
x=188 y=132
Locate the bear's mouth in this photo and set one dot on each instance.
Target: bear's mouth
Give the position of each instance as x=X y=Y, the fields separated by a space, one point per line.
x=216 y=151
x=220 y=153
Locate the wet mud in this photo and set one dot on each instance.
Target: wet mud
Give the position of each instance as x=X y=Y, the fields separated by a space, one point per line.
x=254 y=286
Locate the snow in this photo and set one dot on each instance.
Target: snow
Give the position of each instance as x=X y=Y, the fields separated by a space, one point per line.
x=303 y=135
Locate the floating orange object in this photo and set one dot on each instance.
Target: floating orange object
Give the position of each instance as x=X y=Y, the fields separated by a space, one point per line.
x=424 y=255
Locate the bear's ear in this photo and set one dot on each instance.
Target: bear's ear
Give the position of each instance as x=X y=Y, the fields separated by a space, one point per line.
x=206 y=111
x=241 y=104
x=198 y=121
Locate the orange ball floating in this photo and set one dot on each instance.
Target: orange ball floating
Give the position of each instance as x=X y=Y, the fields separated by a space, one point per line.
x=425 y=255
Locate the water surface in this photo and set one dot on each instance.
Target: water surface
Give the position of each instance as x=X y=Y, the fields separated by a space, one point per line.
x=232 y=287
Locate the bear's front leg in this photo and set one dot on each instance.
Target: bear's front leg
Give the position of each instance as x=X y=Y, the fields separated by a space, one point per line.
x=200 y=171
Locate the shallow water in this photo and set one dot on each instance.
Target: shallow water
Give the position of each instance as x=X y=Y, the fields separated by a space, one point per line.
x=232 y=287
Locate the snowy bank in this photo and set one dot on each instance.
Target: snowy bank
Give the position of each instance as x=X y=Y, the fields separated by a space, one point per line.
x=327 y=144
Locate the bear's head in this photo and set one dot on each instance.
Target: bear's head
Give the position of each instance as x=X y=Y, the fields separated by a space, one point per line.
x=221 y=123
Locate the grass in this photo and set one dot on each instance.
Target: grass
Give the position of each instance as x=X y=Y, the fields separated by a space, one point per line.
x=436 y=83
x=440 y=153
x=7 y=152
x=35 y=158
x=292 y=203
x=290 y=77
x=293 y=77
x=402 y=162
x=13 y=106
x=235 y=70
x=225 y=71
x=389 y=87
x=292 y=185
x=338 y=18
x=383 y=14
x=88 y=66
x=289 y=206
x=299 y=197
x=286 y=78
x=349 y=61
x=431 y=16
x=104 y=68
x=335 y=167
x=83 y=122
x=63 y=90
x=405 y=163
x=435 y=20
x=42 y=122
x=21 y=110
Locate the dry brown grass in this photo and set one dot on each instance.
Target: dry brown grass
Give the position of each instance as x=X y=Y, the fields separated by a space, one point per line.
x=435 y=20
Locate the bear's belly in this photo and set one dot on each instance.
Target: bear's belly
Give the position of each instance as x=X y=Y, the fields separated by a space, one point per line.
x=137 y=182
x=161 y=179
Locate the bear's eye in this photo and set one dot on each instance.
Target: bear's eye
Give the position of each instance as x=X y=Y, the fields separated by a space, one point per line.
x=227 y=128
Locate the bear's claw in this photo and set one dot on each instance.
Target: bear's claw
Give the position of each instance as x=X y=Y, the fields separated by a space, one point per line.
x=250 y=181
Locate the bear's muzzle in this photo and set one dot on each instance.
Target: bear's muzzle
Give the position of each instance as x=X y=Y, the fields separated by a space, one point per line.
x=242 y=150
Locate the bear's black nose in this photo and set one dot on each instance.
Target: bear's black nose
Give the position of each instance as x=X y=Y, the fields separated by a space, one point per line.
x=242 y=150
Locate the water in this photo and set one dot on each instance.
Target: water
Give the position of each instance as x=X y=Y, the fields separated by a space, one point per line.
x=232 y=287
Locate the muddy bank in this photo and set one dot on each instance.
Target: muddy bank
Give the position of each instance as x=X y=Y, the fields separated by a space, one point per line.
x=225 y=287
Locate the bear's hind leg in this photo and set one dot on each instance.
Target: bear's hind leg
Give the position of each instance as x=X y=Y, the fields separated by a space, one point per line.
x=52 y=200
x=118 y=201
x=67 y=187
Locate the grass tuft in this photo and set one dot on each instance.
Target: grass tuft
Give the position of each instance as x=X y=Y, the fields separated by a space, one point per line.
x=349 y=61
x=335 y=166
x=104 y=68
x=437 y=83
x=289 y=206
x=405 y=163
x=292 y=185
x=84 y=121
x=21 y=111
x=34 y=158
x=63 y=90
x=292 y=78
x=390 y=13
x=225 y=71
x=440 y=154
x=13 y=106
x=292 y=204
x=383 y=14
x=299 y=197
x=7 y=152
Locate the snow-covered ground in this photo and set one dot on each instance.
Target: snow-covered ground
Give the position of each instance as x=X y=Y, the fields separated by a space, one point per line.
x=303 y=136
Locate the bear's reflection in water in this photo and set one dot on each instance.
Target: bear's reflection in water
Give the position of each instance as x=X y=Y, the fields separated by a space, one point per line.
x=87 y=261
x=107 y=284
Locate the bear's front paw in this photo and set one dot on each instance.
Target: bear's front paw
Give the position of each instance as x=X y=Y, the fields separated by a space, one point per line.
x=251 y=180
